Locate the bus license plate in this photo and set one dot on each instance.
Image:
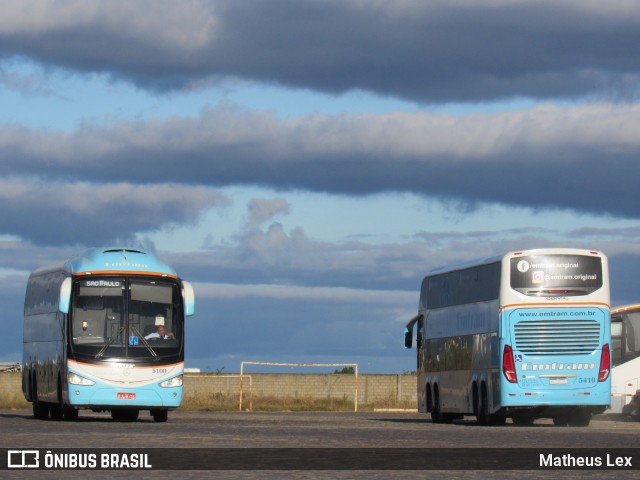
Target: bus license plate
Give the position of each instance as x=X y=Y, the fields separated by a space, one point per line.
x=558 y=381
x=126 y=396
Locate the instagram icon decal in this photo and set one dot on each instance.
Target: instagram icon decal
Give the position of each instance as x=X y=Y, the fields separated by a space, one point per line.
x=537 y=276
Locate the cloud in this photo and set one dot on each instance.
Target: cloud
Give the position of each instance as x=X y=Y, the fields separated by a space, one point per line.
x=73 y=213
x=544 y=157
x=435 y=52
x=34 y=84
x=262 y=210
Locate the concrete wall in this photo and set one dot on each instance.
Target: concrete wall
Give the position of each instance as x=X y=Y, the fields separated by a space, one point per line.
x=11 y=391
x=10 y=383
x=390 y=391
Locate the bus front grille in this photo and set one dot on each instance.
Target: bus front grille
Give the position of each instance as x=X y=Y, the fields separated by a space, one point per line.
x=557 y=337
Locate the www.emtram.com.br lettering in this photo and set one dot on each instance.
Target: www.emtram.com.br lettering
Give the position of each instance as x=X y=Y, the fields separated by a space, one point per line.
x=568 y=460
x=93 y=460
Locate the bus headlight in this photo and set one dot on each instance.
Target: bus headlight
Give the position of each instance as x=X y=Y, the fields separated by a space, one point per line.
x=75 y=379
x=172 y=382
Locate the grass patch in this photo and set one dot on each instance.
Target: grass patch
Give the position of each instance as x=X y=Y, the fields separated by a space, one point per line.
x=13 y=400
x=219 y=402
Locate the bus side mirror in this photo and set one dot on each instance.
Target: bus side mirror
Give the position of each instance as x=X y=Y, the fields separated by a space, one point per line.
x=408 y=337
x=189 y=299
x=65 y=296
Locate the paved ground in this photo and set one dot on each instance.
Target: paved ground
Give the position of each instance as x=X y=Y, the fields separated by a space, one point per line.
x=198 y=430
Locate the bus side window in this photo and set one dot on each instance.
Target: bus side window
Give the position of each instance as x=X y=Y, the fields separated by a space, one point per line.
x=631 y=341
x=420 y=333
x=616 y=340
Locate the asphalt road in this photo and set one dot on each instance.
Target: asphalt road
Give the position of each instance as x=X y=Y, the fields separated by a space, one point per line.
x=365 y=430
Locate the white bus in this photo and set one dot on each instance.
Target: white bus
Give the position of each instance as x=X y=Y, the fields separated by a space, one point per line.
x=105 y=331
x=524 y=336
x=625 y=356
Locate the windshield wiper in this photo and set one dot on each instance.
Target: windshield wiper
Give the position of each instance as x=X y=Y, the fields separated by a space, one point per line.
x=145 y=343
x=100 y=354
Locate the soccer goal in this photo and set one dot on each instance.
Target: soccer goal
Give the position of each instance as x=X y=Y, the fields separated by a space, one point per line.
x=328 y=388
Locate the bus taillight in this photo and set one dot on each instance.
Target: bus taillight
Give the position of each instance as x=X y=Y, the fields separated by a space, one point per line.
x=508 y=365
x=605 y=363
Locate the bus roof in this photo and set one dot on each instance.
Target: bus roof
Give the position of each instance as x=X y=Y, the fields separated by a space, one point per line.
x=463 y=265
x=113 y=260
x=624 y=308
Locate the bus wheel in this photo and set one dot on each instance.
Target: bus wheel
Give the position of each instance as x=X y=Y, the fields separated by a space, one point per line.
x=497 y=420
x=160 y=415
x=483 y=417
x=40 y=410
x=436 y=414
x=561 y=420
x=69 y=414
x=482 y=413
x=56 y=412
x=125 y=415
x=579 y=418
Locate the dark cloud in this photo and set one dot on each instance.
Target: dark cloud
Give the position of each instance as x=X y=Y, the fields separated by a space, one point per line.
x=81 y=213
x=458 y=51
x=12 y=301
x=582 y=158
x=623 y=269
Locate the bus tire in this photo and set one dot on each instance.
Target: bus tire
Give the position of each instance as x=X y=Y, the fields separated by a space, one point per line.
x=160 y=415
x=561 y=420
x=579 y=418
x=56 y=410
x=40 y=409
x=482 y=413
x=69 y=414
x=483 y=417
x=476 y=401
x=436 y=414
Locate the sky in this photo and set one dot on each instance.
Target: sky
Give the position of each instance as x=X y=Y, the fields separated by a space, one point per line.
x=304 y=163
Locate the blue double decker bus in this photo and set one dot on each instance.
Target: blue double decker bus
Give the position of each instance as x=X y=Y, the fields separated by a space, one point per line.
x=523 y=336
x=105 y=331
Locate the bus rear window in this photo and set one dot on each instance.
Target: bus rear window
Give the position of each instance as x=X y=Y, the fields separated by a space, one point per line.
x=556 y=275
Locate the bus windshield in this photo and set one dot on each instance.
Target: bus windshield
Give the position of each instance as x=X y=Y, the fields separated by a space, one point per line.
x=560 y=275
x=126 y=317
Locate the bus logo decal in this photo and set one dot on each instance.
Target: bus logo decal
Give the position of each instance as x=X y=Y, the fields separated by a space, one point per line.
x=557 y=366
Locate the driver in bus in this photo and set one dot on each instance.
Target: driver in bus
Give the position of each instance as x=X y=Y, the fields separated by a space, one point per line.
x=160 y=332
